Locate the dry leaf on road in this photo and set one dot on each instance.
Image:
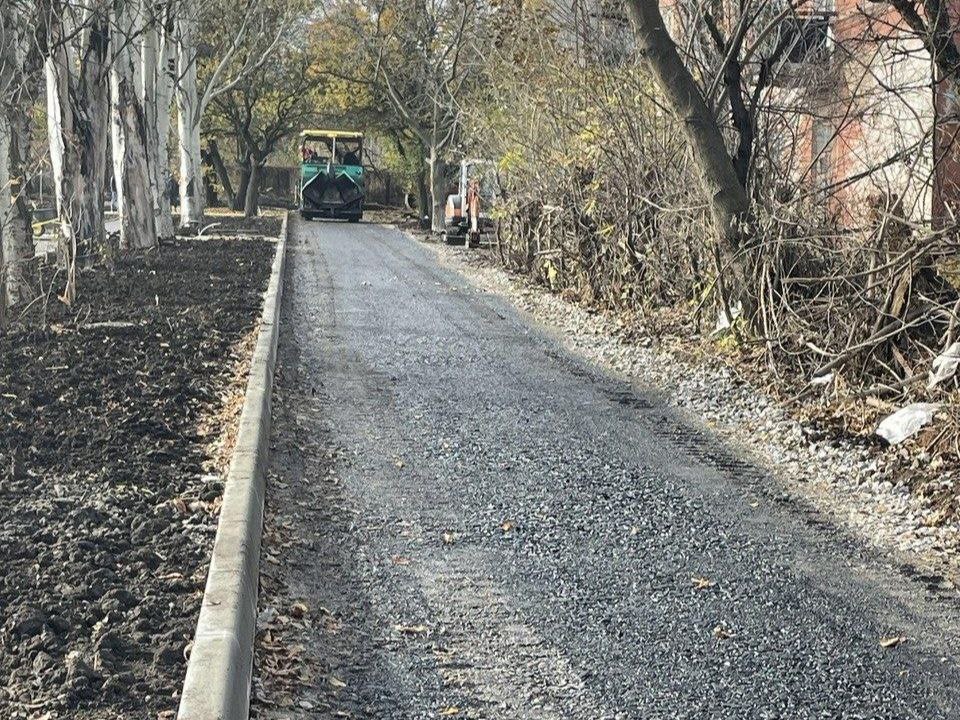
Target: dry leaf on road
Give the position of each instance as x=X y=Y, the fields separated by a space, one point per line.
x=411 y=629
x=298 y=610
x=721 y=633
x=892 y=641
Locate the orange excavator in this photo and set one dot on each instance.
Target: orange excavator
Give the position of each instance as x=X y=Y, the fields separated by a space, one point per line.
x=467 y=213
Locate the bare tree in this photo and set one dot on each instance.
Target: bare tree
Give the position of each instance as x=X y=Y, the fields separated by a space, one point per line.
x=729 y=203
x=156 y=84
x=262 y=111
x=426 y=58
x=254 y=29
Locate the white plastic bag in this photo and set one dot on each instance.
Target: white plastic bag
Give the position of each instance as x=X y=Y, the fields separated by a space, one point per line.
x=906 y=422
x=944 y=365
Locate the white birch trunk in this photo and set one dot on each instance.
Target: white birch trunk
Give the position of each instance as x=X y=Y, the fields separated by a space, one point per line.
x=56 y=103
x=116 y=145
x=137 y=225
x=18 y=237
x=78 y=113
x=156 y=96
x=188 y=120
x=16 y=242
x=165 y=87
x=59 y=118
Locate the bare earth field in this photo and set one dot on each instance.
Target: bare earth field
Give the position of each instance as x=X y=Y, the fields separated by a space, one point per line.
x=115 y=428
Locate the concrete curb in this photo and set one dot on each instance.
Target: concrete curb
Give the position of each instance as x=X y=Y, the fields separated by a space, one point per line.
x=217 y=685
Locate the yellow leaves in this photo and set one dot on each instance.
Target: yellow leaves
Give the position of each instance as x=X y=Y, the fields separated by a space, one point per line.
x=511 y=159
x=336 y=682
x=507 y=525
x=450 y=711
x=550 y=270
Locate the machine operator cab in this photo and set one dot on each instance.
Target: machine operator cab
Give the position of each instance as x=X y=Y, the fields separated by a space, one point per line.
x=331 y=174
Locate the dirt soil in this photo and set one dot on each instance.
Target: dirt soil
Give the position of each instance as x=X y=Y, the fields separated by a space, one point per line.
x=221 y=221
x=111 y=455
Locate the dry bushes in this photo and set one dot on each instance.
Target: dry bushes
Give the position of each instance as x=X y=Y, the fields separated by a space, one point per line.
x=602 y=203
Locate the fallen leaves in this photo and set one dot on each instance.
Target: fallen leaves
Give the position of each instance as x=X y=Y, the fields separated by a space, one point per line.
x=298 y=610
x=449 y=538
x=507 y=525
x=411 y=629
x=892 y=641
x=720 y=632
x=400 y=560
x=336 y=682
x=701 y=583
x=449 y=711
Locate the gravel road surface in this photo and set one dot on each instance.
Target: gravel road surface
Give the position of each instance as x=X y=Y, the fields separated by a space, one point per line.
x=465 y=521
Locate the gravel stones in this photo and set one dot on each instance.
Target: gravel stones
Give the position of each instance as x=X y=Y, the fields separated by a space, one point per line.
x=861 y=485
x=480 y=524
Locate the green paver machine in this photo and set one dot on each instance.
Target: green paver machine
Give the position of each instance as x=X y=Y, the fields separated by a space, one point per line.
x=331 y=174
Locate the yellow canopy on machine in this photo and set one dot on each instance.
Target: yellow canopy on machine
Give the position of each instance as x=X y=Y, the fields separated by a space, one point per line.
x=307 y=134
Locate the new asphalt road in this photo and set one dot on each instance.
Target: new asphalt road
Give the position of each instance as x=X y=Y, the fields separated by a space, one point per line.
x=486 y=527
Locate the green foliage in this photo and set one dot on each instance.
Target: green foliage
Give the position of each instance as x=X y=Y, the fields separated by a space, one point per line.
x=590 y=166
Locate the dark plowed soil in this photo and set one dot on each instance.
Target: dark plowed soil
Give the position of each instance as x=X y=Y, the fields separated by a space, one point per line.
x=225 y=222
x=110 y=415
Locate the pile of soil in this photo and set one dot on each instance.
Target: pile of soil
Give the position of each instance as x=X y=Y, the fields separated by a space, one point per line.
x=110 y=417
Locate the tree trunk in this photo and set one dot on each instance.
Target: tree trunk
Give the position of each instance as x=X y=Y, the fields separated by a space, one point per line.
x=240 y=198
x=78 y=117
x=18 y=234
x=7 y=253
x=423 y=200
x=251 y=205
x=137 y=227
x=156 y=95
x=92 y=127
x=728 y=200
x=16 y=240
x=437 y=187
x=188 y=119
x=116 y=149
x=216 y=159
